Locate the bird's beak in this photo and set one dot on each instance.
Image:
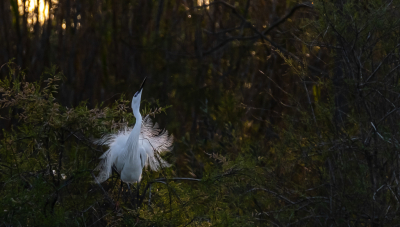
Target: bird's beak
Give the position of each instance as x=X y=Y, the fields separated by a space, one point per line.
x=141 y=86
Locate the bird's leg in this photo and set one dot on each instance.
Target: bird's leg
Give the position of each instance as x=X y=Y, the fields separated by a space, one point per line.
x=130 y=195
x=138 y=194
x=129 y=189
x=120 y=190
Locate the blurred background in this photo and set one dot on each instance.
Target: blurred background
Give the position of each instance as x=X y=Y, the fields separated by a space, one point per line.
x=201 y=58
x=284 y=113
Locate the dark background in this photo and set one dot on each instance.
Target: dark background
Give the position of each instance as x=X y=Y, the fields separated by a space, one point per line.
x=195 y=58
x=287 y=111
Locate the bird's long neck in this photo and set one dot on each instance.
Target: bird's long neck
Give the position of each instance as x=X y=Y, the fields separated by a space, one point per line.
x=132 y=142
x=137 y=114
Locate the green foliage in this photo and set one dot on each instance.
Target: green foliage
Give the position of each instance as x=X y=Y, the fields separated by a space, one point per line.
x=47 y=162
x=47 y=156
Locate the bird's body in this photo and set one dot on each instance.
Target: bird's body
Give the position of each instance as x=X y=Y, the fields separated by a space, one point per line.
x=131 y=149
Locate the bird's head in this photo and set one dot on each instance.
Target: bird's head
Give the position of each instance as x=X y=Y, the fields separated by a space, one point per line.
x=137 y=97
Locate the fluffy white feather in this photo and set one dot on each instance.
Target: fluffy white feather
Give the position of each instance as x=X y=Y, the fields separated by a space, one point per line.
x=154 y=141
x=122 y=152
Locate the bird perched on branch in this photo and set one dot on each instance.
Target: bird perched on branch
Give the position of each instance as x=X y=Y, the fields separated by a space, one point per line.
x=132 y=149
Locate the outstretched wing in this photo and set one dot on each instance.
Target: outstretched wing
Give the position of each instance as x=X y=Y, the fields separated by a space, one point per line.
x=116 y=143
x=154 y=141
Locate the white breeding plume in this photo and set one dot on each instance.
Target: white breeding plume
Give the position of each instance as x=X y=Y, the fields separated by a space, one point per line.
x=132 y=149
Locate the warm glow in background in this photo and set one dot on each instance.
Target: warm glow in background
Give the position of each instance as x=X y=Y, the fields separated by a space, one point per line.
x=42 y=12
x=30 y=7
x=203 y=2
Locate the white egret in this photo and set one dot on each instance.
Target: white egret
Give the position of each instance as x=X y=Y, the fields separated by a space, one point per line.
x=132 y=149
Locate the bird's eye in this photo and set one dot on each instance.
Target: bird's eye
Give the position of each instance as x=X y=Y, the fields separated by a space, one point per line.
x=135 y=94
